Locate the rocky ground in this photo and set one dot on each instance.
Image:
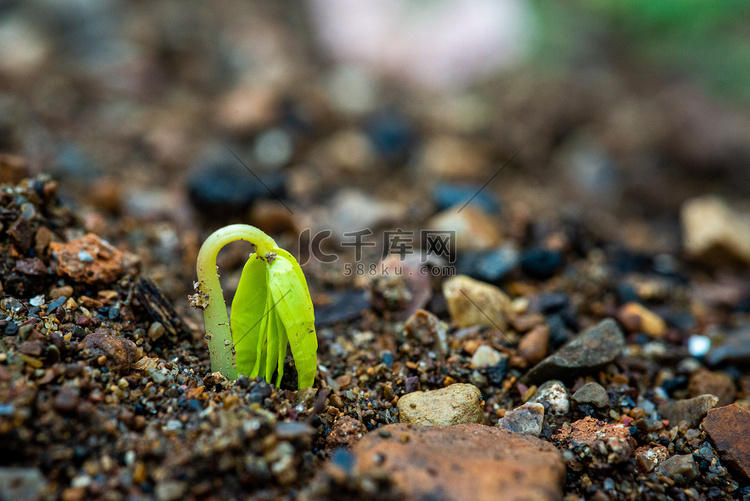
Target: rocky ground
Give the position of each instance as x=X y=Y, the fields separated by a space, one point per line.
x=598 y=374
x=590 y=341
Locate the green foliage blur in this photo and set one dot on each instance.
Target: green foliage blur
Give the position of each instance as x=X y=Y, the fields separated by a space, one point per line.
x=702 y=40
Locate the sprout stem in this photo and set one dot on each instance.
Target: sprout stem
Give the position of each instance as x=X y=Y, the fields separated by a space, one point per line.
x=218 y=331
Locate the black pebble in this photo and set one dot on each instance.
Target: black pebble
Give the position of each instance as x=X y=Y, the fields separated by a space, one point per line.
x=79 y=332
x=411 y=384
x=496 y=373
x=226 y=189
x=587 y=409
x=11 y=329
x=552 y=302
x=626 y=293
x=57 y=303
x=387 y=358
x=558 y=335
x=675 y=383
x=344 y=306
x=447 y=195
x=541 y=263
x=114 y=312
x=488 y=266
x=391 y=135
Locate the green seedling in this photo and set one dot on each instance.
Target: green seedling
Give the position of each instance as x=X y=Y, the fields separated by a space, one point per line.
x=272 y=307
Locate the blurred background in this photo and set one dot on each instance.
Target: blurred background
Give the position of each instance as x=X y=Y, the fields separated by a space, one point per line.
x=356 y=113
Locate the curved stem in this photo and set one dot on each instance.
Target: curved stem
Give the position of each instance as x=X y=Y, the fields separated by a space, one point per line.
x=218 y=331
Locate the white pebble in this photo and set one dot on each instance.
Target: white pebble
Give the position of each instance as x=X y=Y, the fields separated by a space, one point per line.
x=699 y=345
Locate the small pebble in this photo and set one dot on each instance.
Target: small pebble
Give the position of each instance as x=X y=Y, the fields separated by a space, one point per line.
x=719 y=384
x=486 y=356
x=37 y=300
x=21 y=483
x=555 y=394
x=680 y=468
x=637 y=318
x=455 y=404
x=592 y=393
x=156 y=331
x=691 y=410
x=474 y=229
x=534 y=344
x=541 y=263
x=57 y=303
x=588 y=351
x=11 y=329
x=714 y=231
x=699 y=345
x=526 y=419
x=729 y=429
x=66 y=400
x=474 y=303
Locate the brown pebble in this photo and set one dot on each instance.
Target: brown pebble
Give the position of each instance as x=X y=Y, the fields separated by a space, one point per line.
x=636 y=317
x=32 y=266
x=466 y=461
x=74 y=494
x=83 y=321
x=73 y=370
x=647 y=457
x=471 y=346
x=57 y=292
x=66 y=400
x=720 y=384
x=346 y=432
x=90 y=303
x=117 y=352
x=12 y=168
x=691 y=410
x=681 y=468
x=637 y=412
x=344 y=381
x=31 y=348
x=615 y=440
x=337 y=402
x=42 y=240
x=525 y=323
x=88 y=259
x=534 y=344
x=156 y=331
x=426 y=328
x=139 y=473
x=729 y=428
x=21 y=233
x=106 y=194
x=107 y=296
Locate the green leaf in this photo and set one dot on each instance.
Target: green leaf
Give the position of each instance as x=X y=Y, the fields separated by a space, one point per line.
x=272 y=345
x=295 y=311
x=272 y=308
x=249 y=319
x=283 y=342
